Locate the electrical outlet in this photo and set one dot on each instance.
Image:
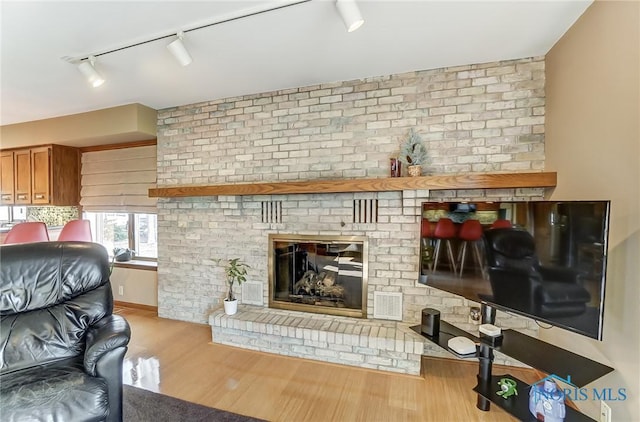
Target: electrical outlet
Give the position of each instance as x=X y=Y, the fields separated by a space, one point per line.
x=605 y=412
x=121 y=290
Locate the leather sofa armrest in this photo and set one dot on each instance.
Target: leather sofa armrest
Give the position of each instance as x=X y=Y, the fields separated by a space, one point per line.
x=514 y=287
x=107 y=334
x=560 y=274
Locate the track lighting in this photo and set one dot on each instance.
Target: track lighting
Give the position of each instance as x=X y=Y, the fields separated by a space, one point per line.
x=179 y=51
x=86 y=63
x=350 y=14
x=89 y=71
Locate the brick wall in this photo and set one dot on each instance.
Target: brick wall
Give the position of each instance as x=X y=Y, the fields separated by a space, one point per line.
x=478 y=118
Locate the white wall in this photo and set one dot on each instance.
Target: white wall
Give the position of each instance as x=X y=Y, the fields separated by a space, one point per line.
x=138 y=286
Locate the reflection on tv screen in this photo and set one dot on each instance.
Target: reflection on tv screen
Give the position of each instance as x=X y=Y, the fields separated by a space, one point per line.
x=542 y=259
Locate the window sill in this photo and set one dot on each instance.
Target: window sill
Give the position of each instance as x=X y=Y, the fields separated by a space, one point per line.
x=137 y=265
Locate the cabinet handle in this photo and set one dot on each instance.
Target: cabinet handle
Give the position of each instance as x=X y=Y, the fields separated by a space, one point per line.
x=22 y=196
x=39 y=196
x=6 y=197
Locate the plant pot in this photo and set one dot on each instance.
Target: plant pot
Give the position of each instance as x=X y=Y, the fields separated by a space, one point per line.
x=230 y=306
x=414 y=171
x=122 y=255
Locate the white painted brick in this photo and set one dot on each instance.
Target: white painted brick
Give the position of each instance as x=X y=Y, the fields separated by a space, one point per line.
x=332 y=131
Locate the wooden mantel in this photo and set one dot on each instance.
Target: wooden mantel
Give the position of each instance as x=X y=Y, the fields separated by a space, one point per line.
x=438 y=182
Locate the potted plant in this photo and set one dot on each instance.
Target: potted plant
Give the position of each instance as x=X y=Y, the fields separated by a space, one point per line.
x=120 y=255
x=236 y=271
x=413 y=153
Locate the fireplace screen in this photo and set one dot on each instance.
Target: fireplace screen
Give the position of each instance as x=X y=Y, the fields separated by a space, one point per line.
x=318 y=274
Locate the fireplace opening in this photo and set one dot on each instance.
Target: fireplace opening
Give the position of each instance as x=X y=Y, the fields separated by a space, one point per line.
x=322 y=274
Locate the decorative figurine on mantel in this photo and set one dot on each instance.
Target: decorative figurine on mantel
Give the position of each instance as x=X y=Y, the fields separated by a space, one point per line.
x=413 y=153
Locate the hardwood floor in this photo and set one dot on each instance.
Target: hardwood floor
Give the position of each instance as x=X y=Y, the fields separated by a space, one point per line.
x=178 y=359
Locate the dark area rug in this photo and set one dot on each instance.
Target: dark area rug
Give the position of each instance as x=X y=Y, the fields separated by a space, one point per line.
x=145 y=406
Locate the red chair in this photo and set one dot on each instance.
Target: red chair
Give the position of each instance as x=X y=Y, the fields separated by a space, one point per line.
x=470 y=233
x=445 y=230
x=79 y=230
x=425 y=239
x=32 y=231
x=425 y=228
x=501 y=224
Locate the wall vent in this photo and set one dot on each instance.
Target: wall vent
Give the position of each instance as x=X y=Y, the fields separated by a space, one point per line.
x=272 y=211
x=365 y=210
x=387 y=305
x=252 y=293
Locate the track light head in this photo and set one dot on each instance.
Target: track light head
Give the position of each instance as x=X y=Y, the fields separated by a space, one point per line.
x=86 y=67
x=179 y=51
x=350 y=14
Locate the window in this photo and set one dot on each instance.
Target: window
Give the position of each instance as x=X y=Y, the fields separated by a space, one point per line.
x=11 y=214
x=5 y=214
x=126 y=230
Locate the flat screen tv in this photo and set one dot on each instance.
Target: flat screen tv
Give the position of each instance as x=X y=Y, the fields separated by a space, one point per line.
x=542 y=259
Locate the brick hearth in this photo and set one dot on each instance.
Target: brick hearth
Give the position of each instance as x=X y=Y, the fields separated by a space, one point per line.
x=384 y=345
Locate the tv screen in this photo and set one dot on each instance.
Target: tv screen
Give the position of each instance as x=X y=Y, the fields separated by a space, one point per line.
x=541 y=259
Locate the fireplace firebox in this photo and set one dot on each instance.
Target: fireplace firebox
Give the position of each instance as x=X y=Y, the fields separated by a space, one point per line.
x=321 y=274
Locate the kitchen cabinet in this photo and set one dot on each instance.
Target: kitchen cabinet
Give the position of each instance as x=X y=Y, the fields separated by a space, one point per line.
x=22 y=176
x=6 y=178
x=42 y=175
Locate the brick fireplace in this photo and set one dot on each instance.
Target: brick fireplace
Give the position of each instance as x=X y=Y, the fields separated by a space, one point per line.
x=320 y=274
x=482 y=118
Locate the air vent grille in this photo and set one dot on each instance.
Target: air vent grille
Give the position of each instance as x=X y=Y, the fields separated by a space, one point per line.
x=365 y=210
x=252 y=293
x=272 y=211
x=387 y=305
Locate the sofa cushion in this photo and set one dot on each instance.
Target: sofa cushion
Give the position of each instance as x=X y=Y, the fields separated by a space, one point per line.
x=57 y=392
x=56 y=273
x=50 y=294
x=559 y=293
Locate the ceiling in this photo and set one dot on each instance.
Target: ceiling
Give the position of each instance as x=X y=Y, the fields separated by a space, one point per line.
x=302 y=44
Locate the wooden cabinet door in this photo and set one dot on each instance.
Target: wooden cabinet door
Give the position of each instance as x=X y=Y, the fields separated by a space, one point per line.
x=65 y=176
x=40 y=175
x=6 y=178
x=22 y=176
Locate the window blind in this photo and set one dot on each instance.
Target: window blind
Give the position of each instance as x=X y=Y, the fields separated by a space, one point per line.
x=119 y=180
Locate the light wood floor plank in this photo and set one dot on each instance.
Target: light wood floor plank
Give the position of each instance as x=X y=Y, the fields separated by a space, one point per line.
x=178 y=359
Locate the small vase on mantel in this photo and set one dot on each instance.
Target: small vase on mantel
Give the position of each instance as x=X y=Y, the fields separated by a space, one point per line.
x=414 y=171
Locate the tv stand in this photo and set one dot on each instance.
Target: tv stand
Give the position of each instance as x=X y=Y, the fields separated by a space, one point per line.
x=538 y=354
x=485 y=359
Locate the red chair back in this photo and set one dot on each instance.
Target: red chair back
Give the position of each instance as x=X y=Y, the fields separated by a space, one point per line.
x=79 y=230
x=32 y=231
x=445 y=229
x=470 y=230
x=501 y=224
x=425 y=228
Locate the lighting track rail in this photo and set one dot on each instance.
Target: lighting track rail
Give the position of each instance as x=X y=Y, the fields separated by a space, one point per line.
x=185 y=31
x=348 y=9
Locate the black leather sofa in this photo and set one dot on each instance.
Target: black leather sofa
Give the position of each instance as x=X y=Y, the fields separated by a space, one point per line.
x=61 y=349
x=520 y=282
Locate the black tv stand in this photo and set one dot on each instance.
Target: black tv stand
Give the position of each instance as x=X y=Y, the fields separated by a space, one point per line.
x=538 y=354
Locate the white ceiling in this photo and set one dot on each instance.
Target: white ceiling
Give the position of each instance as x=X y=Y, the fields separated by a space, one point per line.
x=303 y=44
